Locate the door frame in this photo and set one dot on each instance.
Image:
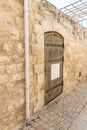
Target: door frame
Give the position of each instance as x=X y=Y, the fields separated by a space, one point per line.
x=45 y=81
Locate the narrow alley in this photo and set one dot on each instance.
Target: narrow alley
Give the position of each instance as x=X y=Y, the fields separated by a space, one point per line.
x=67 y=112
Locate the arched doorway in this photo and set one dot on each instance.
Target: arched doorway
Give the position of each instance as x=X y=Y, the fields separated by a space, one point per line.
x=54 y=46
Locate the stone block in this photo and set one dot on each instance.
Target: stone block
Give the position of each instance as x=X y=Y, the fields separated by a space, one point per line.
x=10 y=108
x=40 y=102
x=33 y=60
x=41 y=58
x=2 y=70
x=38 y=68
x=33 y=38
x=3 y=78
x=38 y=29
x=1 y=89
x=9 y=48
x=18 y=102
x=32 y=91
x=40 y=78
x=33 y=99
x=39 y=17
x=37 y=1
x=41 y=95
x=20 y=67
x=10 y=87
x=31 y=109
x=39 y=105
x=11 y=69
x=38 y=88
x=19 y=84
x=14 y=86
x=47 y=25
x=17 y=58
x=37 y=49
x=18 y=94
x=3 y=107
x=20 y=48
x=5 y=59
x=20 y=117
x=16 y=76
x=40 y=39
x=33 y=79
x=9 y=33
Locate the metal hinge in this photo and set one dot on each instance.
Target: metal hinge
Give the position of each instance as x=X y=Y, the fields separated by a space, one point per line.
x=62 y=83
x=63 y=45
x=63 y=58
x=45 y=70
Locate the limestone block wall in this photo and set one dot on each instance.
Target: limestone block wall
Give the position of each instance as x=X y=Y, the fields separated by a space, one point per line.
x=12 y=107
x=45 y=17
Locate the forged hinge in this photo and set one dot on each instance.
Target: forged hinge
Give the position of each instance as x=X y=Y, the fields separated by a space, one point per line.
x=63 y=58
x=63 y=45
x=62 y=83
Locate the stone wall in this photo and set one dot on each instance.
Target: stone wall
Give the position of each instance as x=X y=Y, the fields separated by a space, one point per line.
x=12 y=107
x=43 y=17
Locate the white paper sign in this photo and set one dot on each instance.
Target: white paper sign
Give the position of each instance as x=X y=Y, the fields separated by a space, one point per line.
x=55 y=71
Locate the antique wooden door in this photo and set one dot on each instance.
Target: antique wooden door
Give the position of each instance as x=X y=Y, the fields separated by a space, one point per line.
x=54 y=46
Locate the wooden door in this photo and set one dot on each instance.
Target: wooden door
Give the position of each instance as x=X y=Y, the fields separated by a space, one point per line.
x=54 y=44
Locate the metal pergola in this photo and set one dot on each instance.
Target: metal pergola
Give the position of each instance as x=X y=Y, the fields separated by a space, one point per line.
x=77 y=10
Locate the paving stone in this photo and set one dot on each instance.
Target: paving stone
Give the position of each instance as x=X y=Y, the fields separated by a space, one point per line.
x=67 y=112
x=79 y=125
x=74 y=128
x=82 y=116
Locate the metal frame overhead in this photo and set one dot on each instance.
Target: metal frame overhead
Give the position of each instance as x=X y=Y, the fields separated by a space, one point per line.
x=77 y=10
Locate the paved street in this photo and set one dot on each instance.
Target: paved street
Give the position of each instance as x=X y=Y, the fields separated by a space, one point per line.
x=68 y=112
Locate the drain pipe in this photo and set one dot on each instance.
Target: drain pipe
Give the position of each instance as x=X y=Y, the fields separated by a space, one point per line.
x=26 y=34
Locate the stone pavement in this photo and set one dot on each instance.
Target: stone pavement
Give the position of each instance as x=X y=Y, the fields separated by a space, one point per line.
x=68 y=112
